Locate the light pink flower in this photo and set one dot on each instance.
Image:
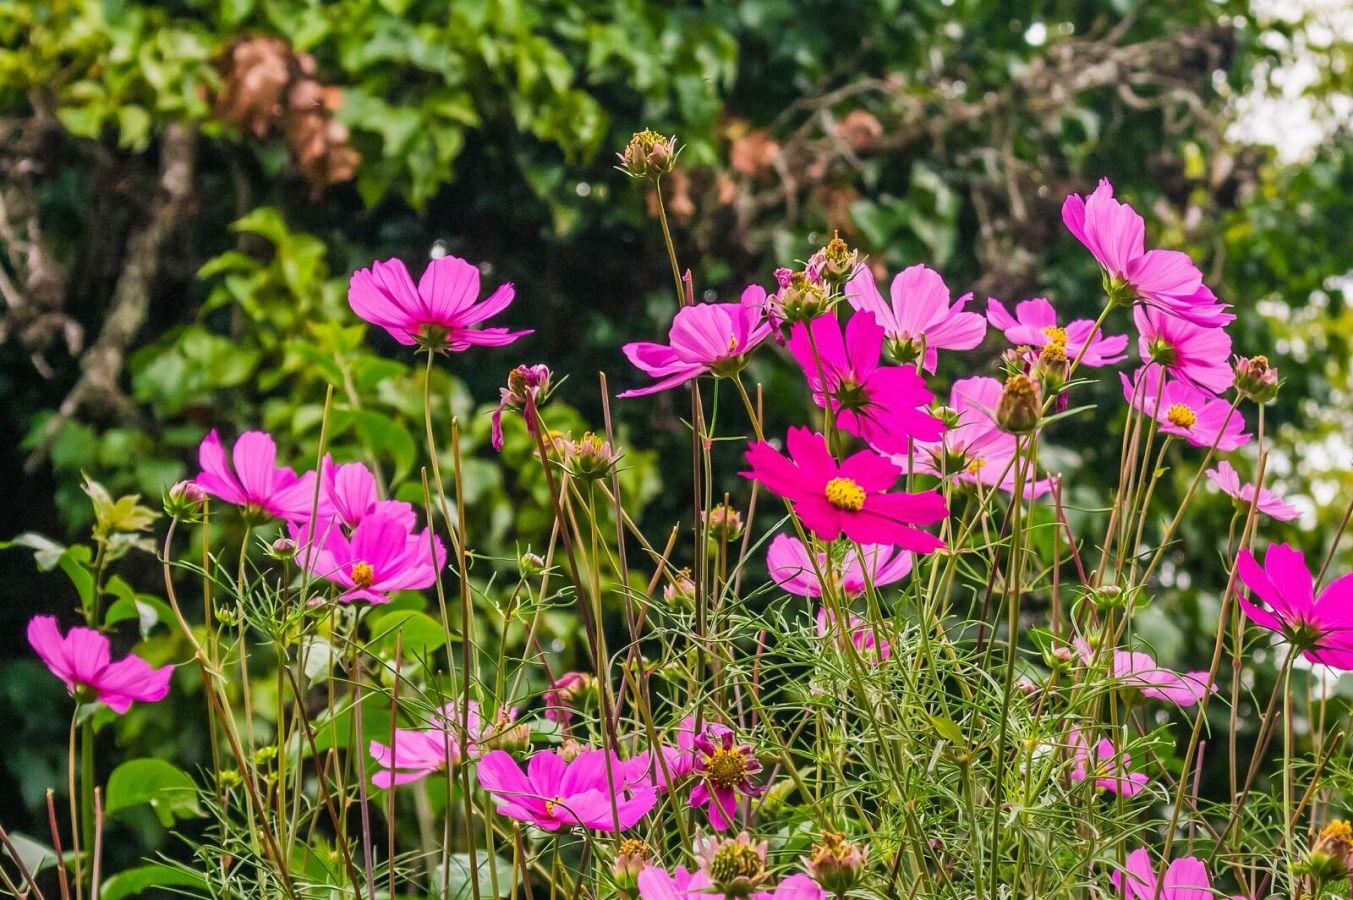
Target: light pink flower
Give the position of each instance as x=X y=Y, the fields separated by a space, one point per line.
x=1198 y=354
x=1135 y=669
x=418 y=752
x=976 y=450
x=848 y=498
x=381 y=556
x=1185 y=879
x=919 y=315
x=440 y=313
x=1321 y=627
x=882 y=405
x=561 y=700
x=256 y=482
x=1225 y=477
x=863 y=635
x=1185 y=411
x=1166 y=279
x=1035 y=324
x=349 y=494
x=82 y=659
x=792 y=568
x=656 y=884
x=712 y=338
x=1105 y=765
x=553 y=794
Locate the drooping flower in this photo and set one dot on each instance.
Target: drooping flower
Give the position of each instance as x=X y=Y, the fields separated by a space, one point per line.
x=975 y=449
x=525 y=385
x=1320 y=627
x=1166 y=279
x=1225 y=477
x=1105 y=765
x=1185 y=411
x=863 y=635
x=553 y=793
x=1034 y=324
x=440 y=313
x=1185 y=879
x=255 y=482
x=349 y=493
x=382 y=555
x=82 y=659
x=793 y=569
x=1197 y=354
x=849 y=498
x=565 y=694
x=723 y=766
x=707 y=338
x=919 y=318
x=416 y=753
x=883 y=405
x=1135 y=669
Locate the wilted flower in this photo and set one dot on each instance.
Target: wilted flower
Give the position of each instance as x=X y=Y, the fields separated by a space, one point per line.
x=590 y=457
x=648 y=154
x=1332 y=854
x=724 y=523
x=836 y=262
x=802 y=298
x=735 y=867
x=525 y=386
x=835 y=863
x=1256 y=379
x=1019 y=407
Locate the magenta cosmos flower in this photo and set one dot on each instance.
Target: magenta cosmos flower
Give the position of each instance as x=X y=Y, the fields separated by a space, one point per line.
x=712 y=338
x=1185 y=411
x=82 y=659
x=872 y=564
x=882 y=405
x=849 y=498
x=255 y=482
x=657 y=884
x=1166 y=279
x=554 y=794
x=725 y=769
x=1185 y=879
x=1103 y=764
x=349 y=494
x=1320 y=627
x=440 y=313
x=380 y=556
x=1227 y=479
x=919 y=318
x=416 y=753
x=1198 y=354
x=1035 y=324
x=866 y=639
x=1134 y=669
x=976 y=450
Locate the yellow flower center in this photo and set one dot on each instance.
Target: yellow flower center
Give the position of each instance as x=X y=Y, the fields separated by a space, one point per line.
x=732 y=343
x=1055 y=335
x=976 y=466
x=1181 y=416
x=845 y=494
x=363 y=576
x=726 y=768
x=551 y=805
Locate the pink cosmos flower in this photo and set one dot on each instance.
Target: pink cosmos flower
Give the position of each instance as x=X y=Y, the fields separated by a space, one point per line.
x=1135 y=669
x=851 y=497
x=1185 y=879
x=1321 y=627
x=440 y=313
x=919 y=318
x=866 y=640
x=382 y=555
x=976 y=450
x=416 y=753
x=1185 y=411
x=725 y=768
x=792 y=568
x=256 y=482
x=553 y=794
x=349 y=494
x=1270 y=504
x=1166 y=279
x=657 y=884
x=1108 y=768
x=880 y=404
x=712 y=338
x=82 y=659
x=561 y=700
x=1035 y=324
x=1200 y=355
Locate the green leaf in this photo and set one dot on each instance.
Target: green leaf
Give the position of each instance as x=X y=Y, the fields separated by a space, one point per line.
x=947 y=729
x=134 y=881
x=47 y=553
x=171 y=793
x=34 y=855
x=457 y=876
x=422 y=634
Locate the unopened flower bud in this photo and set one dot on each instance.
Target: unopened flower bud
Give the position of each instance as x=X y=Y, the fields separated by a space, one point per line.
x=680 y=594
x=1060 y=657
x=724 y=523
x=508 y=734
x=570 y=749
x=1026 y=686
x=1256 y=379
x=1017 y=360
x=648 y=154
x=531 y=565
x=1052 y=367
x=1332 y=853
x=631 y=858
x=1110 y=596
x=835 y=863
x=803 y=299
x=590 y=457
x=1018 y=410
x=283 y=548
x=184 y=499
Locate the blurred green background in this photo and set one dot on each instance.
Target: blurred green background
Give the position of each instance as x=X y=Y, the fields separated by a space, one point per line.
x=187 y=185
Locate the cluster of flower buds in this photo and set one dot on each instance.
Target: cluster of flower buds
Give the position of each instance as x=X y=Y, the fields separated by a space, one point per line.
x=648 y=155
x=506 y=733
x=835 y=863
x=1256 y=379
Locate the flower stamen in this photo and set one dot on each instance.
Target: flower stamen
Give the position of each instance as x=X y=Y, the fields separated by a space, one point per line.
x=845 y=494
